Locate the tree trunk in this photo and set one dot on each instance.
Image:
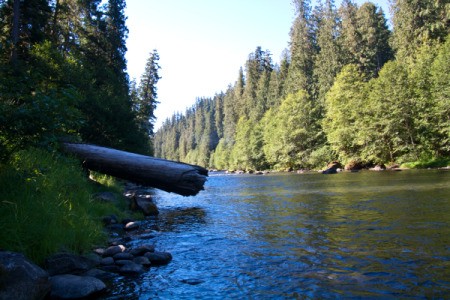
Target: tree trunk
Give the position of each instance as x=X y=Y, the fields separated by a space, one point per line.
x=170 y=176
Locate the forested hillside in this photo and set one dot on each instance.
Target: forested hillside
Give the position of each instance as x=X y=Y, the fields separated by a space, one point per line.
x=63 y=76
x=349 y=88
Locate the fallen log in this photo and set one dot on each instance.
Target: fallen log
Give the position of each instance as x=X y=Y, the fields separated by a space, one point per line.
x=170 y=176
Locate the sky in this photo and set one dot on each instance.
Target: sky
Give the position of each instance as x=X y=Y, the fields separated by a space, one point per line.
x=203 y=43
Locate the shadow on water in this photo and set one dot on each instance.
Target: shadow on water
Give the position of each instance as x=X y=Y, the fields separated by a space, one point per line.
x=180 y=219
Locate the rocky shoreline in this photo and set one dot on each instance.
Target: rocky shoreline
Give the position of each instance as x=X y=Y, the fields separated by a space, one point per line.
x=69 y=276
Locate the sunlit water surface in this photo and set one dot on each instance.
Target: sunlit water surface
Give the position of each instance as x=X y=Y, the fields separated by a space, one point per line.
x=369 y=235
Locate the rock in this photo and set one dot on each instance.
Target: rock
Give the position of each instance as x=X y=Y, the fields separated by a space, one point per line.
x=379 y=168
x=146 y=205
x=20 y=278
x=353 y=165
x=106 y=197
x=122 y=262
x=141 y=250
x=332 y=168
x=67 y=263
x=131 y=268
x=123 y=255
x=127 y=220
x=99 y=251
x=132 y=226
x=147 y=236
x=112 y=250
x=110 y=269
x=74 y=287
x=100 y=274
x=142 y=260
x=107 y=261
x=158 y=258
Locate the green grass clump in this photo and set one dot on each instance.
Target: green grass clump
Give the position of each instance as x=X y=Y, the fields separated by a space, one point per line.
x=47 y=205
x=429 y=163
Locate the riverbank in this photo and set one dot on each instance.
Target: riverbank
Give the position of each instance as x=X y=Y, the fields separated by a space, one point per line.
x=442 y=163
x=48 y=204
x=53 y=216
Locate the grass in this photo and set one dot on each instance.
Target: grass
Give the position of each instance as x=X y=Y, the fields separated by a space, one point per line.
x=47 y=205
x=429 y=163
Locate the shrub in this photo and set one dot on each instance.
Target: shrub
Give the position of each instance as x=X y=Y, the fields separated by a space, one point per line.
x=47 y=205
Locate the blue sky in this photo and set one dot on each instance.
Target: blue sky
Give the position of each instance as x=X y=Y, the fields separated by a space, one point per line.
x=203 y=43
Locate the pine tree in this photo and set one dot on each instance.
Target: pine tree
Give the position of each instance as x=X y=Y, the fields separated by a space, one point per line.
x=302 y=50
x=364 y=37
x=417 y=22
x=116 y=34
x=146 y=102
x=328 y=61
x=374 y=36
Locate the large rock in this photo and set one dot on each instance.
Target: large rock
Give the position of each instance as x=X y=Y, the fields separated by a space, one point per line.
x=142 y=249
x=20 y=278
x=146 y=205
x=158 y=258
x=67 y=263
x=380 y=167
x=131 y=268
x=332 y=168
x=75 y=287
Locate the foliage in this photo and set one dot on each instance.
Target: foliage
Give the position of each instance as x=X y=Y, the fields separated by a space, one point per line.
x=347 y=89
x=430 y=163
x=144 y=101
x=343 y=104
x=47 y=205
x=63 y=74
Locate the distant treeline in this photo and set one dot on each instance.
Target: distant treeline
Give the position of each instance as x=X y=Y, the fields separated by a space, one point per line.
x=348 y=89
x=63 y=76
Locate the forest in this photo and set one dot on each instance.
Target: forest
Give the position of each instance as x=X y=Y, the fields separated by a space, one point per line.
x=63 y=76
x=349 y=88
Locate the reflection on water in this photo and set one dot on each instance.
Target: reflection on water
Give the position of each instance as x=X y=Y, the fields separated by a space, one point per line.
x=352 y=235
x=181 y=219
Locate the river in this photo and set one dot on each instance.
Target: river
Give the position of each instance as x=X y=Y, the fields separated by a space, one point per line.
x=365 y=235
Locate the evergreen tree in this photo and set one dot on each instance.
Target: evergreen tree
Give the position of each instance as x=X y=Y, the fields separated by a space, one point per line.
x=343 y=104
x=440 y=75
x=328 y=61
x=145 y=102
x=375 y=35
x=23 y=25
x=417 y=22
x=302 y=50
x=390 y=130
x=116 y=34
x=291 y=132
x=259 y=64
x=365 y=37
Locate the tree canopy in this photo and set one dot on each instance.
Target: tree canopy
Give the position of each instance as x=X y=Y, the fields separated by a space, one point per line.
x=348 y=88
x=63 y=76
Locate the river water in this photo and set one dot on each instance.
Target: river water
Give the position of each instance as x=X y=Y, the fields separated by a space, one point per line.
x=365 y=235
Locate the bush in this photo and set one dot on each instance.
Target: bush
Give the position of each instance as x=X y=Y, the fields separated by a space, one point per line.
x=47 y=206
